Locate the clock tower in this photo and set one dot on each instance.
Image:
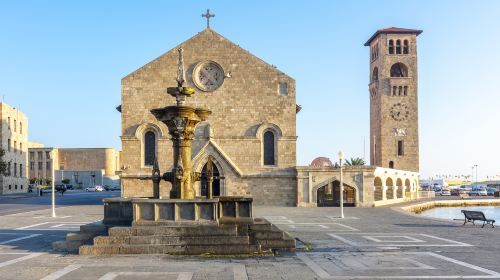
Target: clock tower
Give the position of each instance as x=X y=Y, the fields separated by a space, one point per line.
x=394 y=99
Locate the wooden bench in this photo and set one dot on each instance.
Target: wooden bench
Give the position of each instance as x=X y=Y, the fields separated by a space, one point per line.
x=472 y=216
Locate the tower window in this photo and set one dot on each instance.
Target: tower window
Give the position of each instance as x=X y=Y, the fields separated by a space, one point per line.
x=149 y=148
x=405 y=90
x=400 y=148
x=398 y=46
x=406 y=47
x=283 y=89
x=394 y=89
x=375 y=74
x=269 y=153
x=399 y=70
x=391 y=46
x=400 y=90
x=391 y=164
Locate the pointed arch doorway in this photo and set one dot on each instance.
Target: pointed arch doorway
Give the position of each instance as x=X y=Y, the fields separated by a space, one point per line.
x=215 y=183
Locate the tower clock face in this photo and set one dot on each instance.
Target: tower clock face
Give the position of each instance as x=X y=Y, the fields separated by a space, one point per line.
x=400 y=112
x=208 y=75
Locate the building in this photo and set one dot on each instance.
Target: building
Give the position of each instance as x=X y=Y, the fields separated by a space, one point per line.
x=394 y=99
x=83 y=167
x=251 y=133
x=14 y=141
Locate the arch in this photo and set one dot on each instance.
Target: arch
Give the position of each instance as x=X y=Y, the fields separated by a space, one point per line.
x=398 y=46
x=329 y=194
x=216 y=184
x=391 y=46
x=399 y=192
x=378 y=189
x=390 y=188
x=269 y=155
x=149 y=150
x=391 y=164
x=142 y=128
x=399 y=70
x=406 y=47
x=278 y=133
x=375 y=74
x=199 y=166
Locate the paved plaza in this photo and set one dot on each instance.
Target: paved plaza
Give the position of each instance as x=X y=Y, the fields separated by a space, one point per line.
x=370 y=243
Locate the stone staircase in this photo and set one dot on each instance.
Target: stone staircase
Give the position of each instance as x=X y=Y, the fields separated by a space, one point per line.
x=259 y=237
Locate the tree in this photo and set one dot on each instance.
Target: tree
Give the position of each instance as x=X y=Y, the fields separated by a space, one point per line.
x=65 y=181
x=3 y=164
x=355 y=162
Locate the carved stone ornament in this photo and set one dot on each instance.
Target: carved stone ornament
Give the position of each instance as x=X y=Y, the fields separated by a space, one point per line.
x=399 y=132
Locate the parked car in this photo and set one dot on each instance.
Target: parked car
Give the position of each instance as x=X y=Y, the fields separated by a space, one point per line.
x=45 y=189
x=478 y=192
x=491 y=191
x=69 y=187
x=455 y=192
x=113 y=188
x=445 y=192
x=95 y=189
x=60 y=188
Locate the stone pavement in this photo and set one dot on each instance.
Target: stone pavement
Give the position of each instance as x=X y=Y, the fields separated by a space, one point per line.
x=370 y=243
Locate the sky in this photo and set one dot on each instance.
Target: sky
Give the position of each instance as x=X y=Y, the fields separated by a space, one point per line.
x=61 y=63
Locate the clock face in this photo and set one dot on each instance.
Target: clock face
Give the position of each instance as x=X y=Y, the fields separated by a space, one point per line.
x=400 y=112
x=208 y=75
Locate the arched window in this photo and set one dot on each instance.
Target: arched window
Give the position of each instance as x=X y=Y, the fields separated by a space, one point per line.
x=398 y=47
x=394 y=88
x=400 y=90
x=391 y=47
x=149 y=148
x=269 y=157
x=399 y=70
x=406 y=47
x=391 y=164
x=375 y=74
x=405 y=91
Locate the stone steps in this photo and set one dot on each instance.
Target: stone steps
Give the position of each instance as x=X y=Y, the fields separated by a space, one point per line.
x=169 y=249
x=169 y=240
x=229 y=230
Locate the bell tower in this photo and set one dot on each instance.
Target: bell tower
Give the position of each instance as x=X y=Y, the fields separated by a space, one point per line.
x=394 y=99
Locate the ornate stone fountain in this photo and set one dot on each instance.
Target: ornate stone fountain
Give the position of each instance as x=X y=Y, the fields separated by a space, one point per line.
x=181 y=121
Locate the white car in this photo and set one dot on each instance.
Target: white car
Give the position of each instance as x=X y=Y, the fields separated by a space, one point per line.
x=95 y=189
x=445 y=192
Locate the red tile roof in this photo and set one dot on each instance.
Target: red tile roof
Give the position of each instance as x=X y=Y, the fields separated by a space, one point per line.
x=393 y=30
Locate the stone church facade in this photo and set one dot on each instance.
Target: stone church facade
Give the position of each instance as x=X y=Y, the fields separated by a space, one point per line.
x=251 y=133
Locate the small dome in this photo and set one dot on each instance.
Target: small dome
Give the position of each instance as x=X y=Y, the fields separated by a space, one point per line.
x=321 y=162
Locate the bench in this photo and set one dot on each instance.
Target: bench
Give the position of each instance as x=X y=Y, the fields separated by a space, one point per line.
x=472 y=216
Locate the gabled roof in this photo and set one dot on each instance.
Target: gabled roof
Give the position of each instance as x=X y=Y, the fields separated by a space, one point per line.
x=393 y=30
x=207 y=32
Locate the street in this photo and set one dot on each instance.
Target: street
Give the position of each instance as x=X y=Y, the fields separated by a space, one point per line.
x=12 y=204
x=369 y=243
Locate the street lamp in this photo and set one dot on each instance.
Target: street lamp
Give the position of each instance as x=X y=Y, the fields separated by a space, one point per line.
x=476 y=173
x=52 y=156
x=341 y=158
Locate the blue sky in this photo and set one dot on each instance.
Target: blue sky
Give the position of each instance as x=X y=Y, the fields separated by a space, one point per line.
x=61 y=62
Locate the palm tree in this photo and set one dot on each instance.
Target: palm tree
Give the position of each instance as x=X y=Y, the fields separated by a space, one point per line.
x=355 y=162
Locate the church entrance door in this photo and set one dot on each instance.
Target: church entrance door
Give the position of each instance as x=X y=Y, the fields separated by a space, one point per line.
x=215 y=183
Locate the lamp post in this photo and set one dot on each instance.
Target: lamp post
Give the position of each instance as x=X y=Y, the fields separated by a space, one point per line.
x=341 y=158
x=476 y=173
x=52 y=156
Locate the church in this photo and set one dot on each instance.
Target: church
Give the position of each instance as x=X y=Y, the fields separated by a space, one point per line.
x=251 y=134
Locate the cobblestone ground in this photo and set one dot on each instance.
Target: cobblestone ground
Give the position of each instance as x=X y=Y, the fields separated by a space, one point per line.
x=370 y=243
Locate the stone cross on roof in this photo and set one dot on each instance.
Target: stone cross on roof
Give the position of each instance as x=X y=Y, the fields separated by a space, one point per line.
x=208 y=16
